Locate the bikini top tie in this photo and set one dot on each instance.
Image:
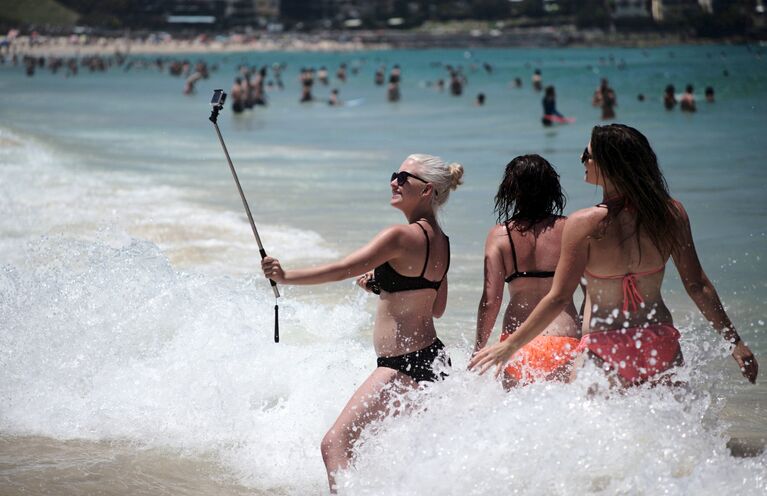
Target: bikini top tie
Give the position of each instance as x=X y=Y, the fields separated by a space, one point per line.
x=631 y=294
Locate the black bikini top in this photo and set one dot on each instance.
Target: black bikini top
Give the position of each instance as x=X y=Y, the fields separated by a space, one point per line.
x=392 y=281
x=527 y=273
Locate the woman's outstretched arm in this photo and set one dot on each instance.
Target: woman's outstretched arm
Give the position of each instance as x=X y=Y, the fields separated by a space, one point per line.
x=384 y=246
x=703 y=293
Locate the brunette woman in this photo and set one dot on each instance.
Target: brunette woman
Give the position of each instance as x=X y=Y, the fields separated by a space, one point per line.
x=521 y=251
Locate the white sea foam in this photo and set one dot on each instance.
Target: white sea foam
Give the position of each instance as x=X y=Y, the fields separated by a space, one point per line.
x=48 y=191
x=105 y=340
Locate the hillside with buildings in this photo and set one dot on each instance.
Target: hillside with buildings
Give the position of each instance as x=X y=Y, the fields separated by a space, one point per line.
x=490 y=20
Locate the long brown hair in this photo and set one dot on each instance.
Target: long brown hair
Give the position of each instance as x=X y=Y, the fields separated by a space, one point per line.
x=529 y=191
x=625 y=157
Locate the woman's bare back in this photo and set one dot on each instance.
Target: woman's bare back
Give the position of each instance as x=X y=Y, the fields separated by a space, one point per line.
x=624 y=274
x=537 y=249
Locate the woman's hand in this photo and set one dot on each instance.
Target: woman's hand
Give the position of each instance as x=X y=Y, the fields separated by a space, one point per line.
x=364 y=279
x=497 y=354
x=273 y=270
x=746 y=361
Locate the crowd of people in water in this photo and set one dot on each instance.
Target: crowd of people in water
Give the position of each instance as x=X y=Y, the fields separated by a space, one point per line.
x=253 y=83
x=617 y=252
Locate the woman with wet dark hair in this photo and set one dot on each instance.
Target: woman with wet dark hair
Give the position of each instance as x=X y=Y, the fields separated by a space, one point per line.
x=522 y=251
x=621 y=247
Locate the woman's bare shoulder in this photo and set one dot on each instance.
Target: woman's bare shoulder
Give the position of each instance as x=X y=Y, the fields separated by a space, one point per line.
x=586 y=220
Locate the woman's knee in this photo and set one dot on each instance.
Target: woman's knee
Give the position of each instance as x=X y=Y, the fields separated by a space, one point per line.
x=330 y=444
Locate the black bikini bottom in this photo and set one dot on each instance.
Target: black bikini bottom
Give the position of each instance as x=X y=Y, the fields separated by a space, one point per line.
x=419 y=365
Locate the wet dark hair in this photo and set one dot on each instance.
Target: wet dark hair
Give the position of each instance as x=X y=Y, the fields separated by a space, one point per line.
x=529 y=191
x=624 y=156
x=550 y=91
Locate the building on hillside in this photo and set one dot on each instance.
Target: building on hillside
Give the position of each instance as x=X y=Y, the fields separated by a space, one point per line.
x=630 y=9
x=221 y=13
x=669 y=10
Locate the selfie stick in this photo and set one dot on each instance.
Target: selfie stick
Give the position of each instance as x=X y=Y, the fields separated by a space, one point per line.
x=218 y=103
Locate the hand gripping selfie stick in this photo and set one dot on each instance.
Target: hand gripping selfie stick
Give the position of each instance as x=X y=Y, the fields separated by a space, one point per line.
x=218 y=103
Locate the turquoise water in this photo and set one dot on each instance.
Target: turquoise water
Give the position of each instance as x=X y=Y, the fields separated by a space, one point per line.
x=129 y=268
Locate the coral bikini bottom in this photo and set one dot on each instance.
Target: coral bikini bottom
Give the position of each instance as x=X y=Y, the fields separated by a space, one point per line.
x=636 y=353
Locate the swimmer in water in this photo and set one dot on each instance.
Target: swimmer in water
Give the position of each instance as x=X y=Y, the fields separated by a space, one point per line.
x=537 y=80
x=669 y=97
x=710 y=94
x=550 y=112
x=687 y=102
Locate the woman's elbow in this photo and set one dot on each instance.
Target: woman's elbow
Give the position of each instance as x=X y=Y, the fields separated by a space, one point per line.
x=438 y=310
x=559 y=300
x=696 y=285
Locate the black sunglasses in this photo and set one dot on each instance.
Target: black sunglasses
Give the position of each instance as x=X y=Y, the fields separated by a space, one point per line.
x=402 y=176
x=585 y=155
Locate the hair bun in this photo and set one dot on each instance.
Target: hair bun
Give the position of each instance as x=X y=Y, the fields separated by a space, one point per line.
x=456 y=175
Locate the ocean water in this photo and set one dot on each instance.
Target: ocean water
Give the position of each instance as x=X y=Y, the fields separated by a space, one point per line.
x=136 y=352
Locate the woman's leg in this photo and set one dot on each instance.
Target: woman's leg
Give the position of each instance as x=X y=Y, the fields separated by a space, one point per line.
x=369 y=403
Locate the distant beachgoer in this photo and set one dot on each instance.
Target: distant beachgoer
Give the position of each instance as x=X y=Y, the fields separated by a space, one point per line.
x=687 y=102
x=257 y=87
x=307 y=81
x=395 y=75
x=238 y=99
x=190 y=82
x=322 y=76
x=605 y=98
x=379 y=76
x=550 y=112
x=480 y=100
x=710 y=94
x=537 y=80
x=408 y=265
x=669 y=97
x=341 y=73
x=621 y=248
x=517 y=82
x=488 y=67
x=440 y=85
x=392 y=92
x=277 y=73
x=334 y=101
x=640 y=97
x=523 y=250
x=29 y=65
x=456 y=85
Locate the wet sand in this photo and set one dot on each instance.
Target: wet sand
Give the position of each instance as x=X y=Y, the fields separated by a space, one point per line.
x=40 y=465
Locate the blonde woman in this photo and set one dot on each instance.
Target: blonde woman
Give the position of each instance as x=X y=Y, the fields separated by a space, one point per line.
x=407 y=265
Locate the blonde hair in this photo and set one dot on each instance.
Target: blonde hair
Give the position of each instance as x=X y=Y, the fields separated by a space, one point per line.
x=444 y=177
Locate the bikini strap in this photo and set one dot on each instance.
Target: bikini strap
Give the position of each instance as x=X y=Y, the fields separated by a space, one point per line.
x=425 y=262
x=513 y=250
